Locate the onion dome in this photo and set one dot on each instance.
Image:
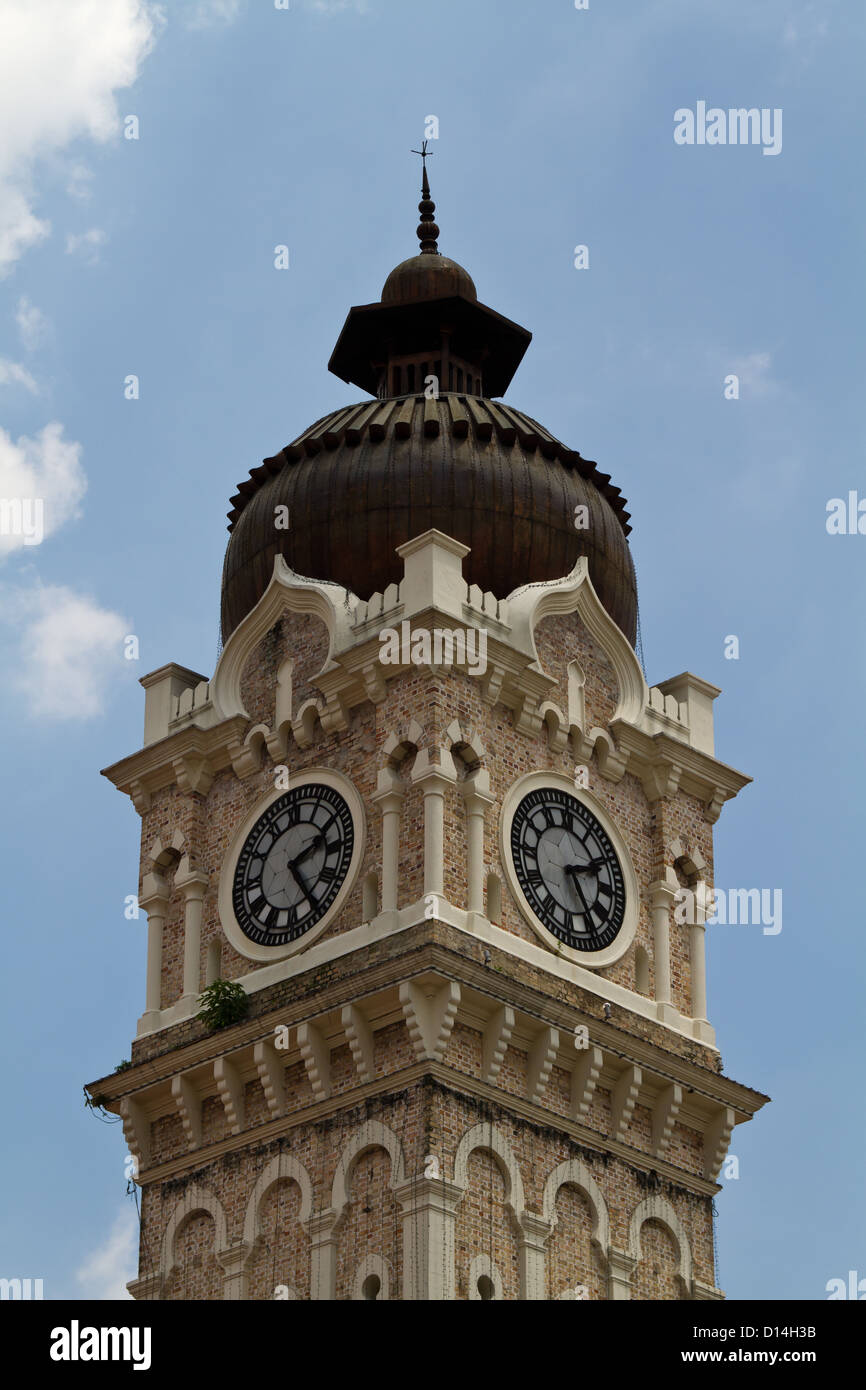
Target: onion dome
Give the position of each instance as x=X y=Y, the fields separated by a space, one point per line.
x=370 y=477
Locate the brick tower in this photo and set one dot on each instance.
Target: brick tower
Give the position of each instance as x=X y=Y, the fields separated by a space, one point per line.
x=431 y=818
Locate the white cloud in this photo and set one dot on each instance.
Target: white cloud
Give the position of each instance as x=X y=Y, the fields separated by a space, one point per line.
x=208 y=14
x=61 y=64
x=754 y=373
x=88 y=243
x=13 y=374
x=69 y=650
x=105 y=1273
x=46 y=467
x=78 y=180
x=32 y=324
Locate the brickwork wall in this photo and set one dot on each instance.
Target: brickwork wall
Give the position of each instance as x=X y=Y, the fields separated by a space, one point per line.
x=426 y=1120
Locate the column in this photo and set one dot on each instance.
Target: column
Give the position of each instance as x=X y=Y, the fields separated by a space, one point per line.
x=620 y=1267
x=321 y=1229
x=434 y=779
x=154 y=900
x=534 y=1235
x=476 y=791
x=429 y=1222
x=662 y=896
x=698 y=960
x=192 y=883
x=389 y=798
x=234 y=1260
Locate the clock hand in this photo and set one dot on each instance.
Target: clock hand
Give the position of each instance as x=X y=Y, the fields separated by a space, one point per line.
x=572 y=869
x=581 y=868
x=314 y=844
x=299 y=880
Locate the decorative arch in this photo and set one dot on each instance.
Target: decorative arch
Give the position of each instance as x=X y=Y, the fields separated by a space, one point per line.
x=287 y=592
x=403 y=744
x=555 y=724
x=482 y=1136
x=164 y=855
x=482 y=1265
x=284 y=1166
x=375 y=1265
x=464 y=743
x=372 y=1135
x=575 y=1172
x=194 y=1200
x=656 y=1208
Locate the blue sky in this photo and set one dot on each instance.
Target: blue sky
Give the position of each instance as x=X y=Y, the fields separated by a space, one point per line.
x=154 y=257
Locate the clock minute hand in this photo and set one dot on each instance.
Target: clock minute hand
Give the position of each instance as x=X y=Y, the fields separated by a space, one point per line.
x=573 y=870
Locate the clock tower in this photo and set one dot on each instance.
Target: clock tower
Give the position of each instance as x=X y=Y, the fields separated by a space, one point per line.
x=428 y=817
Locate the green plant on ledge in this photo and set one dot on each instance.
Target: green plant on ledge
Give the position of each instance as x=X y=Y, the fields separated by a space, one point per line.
x=223 y=1003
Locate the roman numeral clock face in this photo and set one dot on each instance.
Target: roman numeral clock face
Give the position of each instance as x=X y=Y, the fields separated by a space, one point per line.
x=568 y=869
x=293 y=864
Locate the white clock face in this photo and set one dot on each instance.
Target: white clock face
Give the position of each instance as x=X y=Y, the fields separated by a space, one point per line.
x=293 y=864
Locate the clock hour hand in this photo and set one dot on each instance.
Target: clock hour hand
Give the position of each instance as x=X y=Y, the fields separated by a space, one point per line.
x=313 y=845
x=581 y=868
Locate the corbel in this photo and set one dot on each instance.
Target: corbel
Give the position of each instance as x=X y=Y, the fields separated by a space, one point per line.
x=717 y=1137
x=661 y=779
x=136 y=1129
x=584 y=1079
x=374 y=681
x=359 y=1036
x=247 y=756
x=713 y=807
x=430 y=1019
x=624 y=1099
x=272 y=1076
x=140 y=796
x=193 y=773
x=231 y=1089
x=665 y=1111
x=497 y=1034
x=491 y=684
x=188 y=1102
x=317 y=1059
x=539 y=1062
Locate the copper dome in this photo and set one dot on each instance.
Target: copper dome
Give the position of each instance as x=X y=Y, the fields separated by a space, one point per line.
x=368 y=478
x=371 y=477
x=427 y=277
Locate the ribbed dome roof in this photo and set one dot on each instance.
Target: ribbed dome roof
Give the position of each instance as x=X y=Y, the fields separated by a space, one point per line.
x=368 y=478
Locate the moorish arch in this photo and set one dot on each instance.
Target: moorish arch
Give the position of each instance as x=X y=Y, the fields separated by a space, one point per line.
x=574 y=1172
x=196 y=1199
x=656 y=1208
x=372 y=1135
x=488 y=1137
x=284 y=1166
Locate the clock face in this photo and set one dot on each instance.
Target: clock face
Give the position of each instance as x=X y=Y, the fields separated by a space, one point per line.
x=568 y=869
x=293 y=864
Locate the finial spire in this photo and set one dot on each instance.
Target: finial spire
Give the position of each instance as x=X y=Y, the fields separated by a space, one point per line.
x=427 y=229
